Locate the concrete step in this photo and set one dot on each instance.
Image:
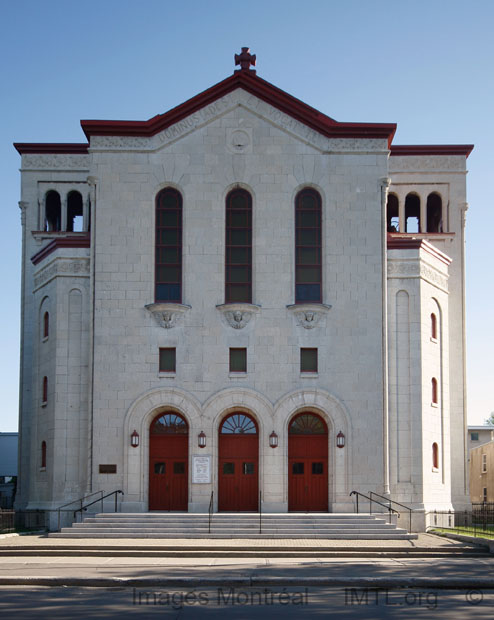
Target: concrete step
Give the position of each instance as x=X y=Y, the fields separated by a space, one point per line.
x=353 y=536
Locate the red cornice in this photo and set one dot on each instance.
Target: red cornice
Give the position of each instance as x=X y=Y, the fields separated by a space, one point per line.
x=400 y=242
x=60 y=242
x=432 y=149
x=256 y=86
x=24 y=148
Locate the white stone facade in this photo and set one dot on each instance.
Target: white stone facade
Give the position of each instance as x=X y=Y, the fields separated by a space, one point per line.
x=372 y=329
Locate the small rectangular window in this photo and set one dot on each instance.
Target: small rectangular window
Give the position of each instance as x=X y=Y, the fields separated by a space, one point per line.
x=168 y=360
x=228 y=469
x=317 y=468
x=238 y=360
x=484 y=463
x=484 y=494
x=308 y=360
x=248 y=468
x=474 y=436
x=179 y=468
x=297 y=469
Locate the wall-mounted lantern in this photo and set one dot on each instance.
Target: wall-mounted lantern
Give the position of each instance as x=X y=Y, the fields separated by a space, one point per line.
x=134 y=439
x=340 y=440
x=273 y=440
x=201 y=439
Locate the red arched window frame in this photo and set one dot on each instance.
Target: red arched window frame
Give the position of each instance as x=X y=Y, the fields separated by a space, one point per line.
x=435 y=455
x=433 y=326
x=45 y=390
x=46 y=325
x=168 y=258
x=238 y=247
x=308 y=246
x=434 y=390
x=43 y=454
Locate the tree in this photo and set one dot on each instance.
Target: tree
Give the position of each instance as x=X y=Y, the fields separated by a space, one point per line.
x=490 y=419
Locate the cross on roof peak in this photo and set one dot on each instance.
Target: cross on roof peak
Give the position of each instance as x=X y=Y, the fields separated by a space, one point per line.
x=245 y=59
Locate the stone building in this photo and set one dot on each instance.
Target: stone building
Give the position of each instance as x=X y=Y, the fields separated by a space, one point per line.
x=482 y=473
x=243 y=299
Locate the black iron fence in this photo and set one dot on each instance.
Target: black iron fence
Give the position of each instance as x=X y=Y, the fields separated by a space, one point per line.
x=22 y=520
x=479 y=521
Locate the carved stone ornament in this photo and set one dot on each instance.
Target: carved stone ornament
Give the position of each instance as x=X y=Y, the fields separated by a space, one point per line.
x=167 y=315
x=238 y=315
x=308 y=315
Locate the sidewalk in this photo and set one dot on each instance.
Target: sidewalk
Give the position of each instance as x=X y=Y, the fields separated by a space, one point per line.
x=193 y=572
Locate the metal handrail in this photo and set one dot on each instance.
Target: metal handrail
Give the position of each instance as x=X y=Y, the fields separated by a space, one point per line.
x=80 y=499
x=357 y=493
x=260 y=512
x=210 y=511
x=392 y=501
x=100 y=500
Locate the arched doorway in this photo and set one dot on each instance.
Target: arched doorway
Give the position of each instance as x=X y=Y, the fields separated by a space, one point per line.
x=238 y=464
x=168 y=462
x=308 y=463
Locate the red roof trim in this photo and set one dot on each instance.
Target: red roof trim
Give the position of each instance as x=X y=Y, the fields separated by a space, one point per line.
x=23 y=148
x=61 y=242
x=413 y=243
x=432 y=149
x=256 y=86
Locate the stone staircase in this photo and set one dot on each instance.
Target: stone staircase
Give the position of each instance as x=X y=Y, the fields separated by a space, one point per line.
x=175 y=525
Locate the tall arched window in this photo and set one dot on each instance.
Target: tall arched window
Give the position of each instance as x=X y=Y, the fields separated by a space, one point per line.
x=46 y=325
x=53 y=212
x=434 y=390
x=238 y=247
x=412 y=213
x=74 y=212
x=44 y=395
x=168 y=264
x=43 y=454
x=435 y=456
x=433 y=326
x=434 y=213
x=308 y=264
x=392 y=214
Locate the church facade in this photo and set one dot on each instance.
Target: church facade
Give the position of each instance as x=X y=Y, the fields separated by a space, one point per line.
x=240 y=303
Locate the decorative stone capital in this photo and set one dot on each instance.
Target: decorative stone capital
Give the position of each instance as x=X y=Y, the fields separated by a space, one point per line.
x=308 y=315
x=239 y=314
x=23 y=205
x=167 y=315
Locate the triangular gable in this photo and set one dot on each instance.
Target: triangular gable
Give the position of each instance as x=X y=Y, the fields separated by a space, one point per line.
x=256 y=86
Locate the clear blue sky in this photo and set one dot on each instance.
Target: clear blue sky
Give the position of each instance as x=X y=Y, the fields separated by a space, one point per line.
x=427 y=65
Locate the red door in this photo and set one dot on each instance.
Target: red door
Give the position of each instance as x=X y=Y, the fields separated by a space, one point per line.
x=238 y=463
x=168 y=463
x=308 y=464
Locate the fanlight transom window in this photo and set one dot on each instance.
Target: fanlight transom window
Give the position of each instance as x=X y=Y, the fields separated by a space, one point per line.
x=307 y=424
x=238 y=424
x=169 y=424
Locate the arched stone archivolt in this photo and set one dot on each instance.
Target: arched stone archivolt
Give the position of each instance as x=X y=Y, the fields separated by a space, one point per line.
x=337 y=419
x=139 y=417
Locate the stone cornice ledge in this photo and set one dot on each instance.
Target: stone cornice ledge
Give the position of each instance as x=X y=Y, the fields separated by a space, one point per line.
x=237 y=315
x=308 y=315
x=167 y=314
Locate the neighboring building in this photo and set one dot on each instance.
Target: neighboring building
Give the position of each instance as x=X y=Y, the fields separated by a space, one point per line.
x=478 y=435
x=482 y=473
x=8 y=468
x=243 y=295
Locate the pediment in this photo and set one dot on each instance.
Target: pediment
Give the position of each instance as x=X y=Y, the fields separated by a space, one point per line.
x=255 y=95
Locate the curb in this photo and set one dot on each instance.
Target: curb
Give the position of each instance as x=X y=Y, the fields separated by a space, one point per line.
x=249 y=582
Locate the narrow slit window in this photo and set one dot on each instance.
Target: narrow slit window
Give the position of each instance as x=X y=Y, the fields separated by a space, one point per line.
x=46 y=325
x=434 y=390
x=433 y=326
x=308 y=263
x=44 y=395
x=168 y=260
x=238 y=247
x=43 y=455
x=435 y=456
x=392 y=214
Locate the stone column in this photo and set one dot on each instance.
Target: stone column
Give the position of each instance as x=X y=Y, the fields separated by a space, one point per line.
x=63 y=203
x=385 y=183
